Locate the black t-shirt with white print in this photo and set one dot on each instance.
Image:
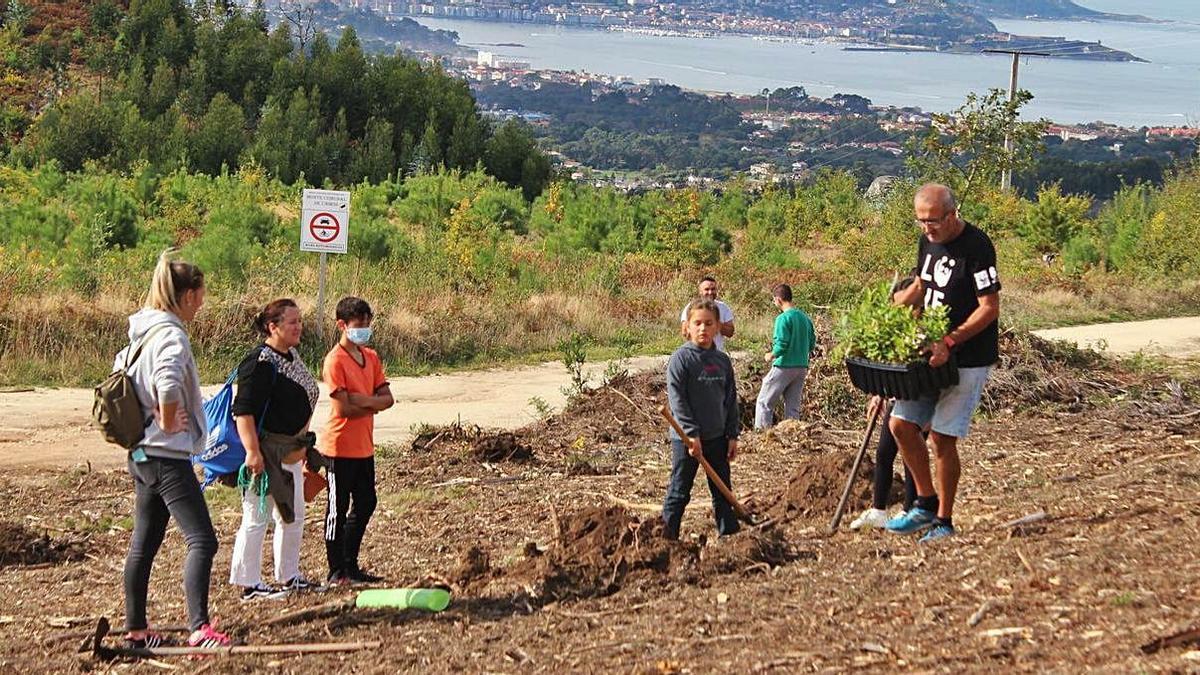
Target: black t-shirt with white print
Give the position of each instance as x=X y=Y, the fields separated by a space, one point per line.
x=281 y=384
x=956 y=274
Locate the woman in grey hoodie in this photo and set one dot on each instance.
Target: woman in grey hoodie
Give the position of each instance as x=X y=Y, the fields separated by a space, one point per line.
x=165 y=485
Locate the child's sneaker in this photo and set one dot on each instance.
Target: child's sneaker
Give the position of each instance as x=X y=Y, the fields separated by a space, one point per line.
x=939 y=531
x=208 y=638
x=870 y=519
x=148 y=640
x=262 y=592
x=916 y=520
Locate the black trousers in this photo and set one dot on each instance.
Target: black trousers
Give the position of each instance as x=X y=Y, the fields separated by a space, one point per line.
x=683 y=473
x=885 y=459
x=350 y=503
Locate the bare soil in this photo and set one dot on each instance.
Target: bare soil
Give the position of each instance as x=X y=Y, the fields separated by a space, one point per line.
x=554 y=569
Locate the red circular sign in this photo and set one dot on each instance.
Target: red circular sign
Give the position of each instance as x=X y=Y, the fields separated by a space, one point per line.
x=324 y=227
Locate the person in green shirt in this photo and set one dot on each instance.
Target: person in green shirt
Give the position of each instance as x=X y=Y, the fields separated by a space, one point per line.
x=793 y=342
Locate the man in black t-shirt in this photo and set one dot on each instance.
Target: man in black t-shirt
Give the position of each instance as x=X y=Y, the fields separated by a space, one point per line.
x=956 y=267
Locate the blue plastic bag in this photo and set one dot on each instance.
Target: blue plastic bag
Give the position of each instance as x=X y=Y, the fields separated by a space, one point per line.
x=223 y=450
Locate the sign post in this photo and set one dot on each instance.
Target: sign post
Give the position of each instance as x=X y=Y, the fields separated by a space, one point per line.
x=324 y=229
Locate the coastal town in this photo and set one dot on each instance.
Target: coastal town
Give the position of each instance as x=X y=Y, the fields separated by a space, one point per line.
x=767 y=137
x=779 y=160
x=890 y=25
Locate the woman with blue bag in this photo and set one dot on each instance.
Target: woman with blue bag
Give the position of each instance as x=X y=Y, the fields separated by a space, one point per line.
x=274 y=404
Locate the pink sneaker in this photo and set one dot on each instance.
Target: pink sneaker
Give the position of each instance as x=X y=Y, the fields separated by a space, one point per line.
x=208 y=637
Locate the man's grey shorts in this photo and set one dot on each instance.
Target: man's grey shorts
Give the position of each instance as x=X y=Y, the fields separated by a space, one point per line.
x=950 y=411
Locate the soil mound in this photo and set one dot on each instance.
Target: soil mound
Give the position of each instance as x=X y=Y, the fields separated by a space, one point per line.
x=502 y=447
x=483 y=446
x=20 y=546
x=621 y=412
x=814 y=489
x=474 y=568
x=1034 y=372
x=750 y=551
x=790 y=436
x=600 y=549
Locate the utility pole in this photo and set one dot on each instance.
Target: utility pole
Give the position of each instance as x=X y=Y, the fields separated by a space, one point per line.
x=1006 y=175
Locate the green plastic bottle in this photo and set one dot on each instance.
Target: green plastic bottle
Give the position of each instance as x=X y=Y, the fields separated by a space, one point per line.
x=431 y=599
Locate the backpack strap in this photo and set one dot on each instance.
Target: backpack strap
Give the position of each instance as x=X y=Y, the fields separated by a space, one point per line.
x=132 y=355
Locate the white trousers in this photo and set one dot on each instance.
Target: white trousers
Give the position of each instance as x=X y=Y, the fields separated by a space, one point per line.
x=248 y=545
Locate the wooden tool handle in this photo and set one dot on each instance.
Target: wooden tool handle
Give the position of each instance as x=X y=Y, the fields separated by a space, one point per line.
x=738 y=509
x=666 y=412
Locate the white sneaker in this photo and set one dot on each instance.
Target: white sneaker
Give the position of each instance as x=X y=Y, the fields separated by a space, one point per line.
x=871 y=518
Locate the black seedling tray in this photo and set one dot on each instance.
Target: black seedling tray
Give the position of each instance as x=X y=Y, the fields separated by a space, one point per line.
x=901 y=381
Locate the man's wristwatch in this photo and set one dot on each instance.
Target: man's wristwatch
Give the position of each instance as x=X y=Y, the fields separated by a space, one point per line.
x=949 y=342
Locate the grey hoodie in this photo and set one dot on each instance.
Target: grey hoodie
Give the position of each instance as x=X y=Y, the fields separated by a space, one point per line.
x=166 y=372
x=702 y=393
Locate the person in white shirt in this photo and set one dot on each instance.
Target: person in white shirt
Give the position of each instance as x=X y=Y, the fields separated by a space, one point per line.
x=708 y=291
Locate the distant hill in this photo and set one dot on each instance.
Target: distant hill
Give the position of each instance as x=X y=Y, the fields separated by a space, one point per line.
x=380 y=34
x=1044 y=9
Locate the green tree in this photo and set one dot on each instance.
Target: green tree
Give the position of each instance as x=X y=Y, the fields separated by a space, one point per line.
x=374 y=159
x=219 y=138
x=966 y=147
x=162 y=92
x=512 y=156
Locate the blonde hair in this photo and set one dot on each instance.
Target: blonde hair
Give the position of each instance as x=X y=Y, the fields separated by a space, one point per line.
x=703 y=305
x=172 y=278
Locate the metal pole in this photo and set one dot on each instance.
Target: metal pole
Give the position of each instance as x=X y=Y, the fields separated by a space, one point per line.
x=1006 y=175
x=321 y=299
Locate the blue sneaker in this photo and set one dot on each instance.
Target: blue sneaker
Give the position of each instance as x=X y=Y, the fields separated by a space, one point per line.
x=915 y=520
x=939 y=531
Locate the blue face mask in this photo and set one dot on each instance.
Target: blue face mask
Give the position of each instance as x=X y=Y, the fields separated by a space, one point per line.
x=359 y=336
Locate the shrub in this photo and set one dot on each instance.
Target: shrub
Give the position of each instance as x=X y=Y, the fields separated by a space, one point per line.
x=1054 y=219
x=875 y=328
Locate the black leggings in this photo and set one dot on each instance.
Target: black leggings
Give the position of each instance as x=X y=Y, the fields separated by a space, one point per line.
x=165 y=489
x=885 y=458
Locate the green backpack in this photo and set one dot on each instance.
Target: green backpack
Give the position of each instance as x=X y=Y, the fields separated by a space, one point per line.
x=116 y=408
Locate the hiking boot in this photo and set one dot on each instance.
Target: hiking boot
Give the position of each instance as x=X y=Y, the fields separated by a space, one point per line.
x=870 y=519
x=263 y=592
x=299 y=584
x=938 y=531
x=148 y=640
x=916 y=520
x=208 y=637
x=359 y=576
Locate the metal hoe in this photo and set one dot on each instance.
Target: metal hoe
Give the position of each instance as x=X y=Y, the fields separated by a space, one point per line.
x=873 y=414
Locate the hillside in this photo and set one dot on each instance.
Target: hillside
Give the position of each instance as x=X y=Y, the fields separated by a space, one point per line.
x=1045 y=9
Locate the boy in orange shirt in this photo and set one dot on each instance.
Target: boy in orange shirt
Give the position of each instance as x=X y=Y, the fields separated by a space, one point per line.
x=359 y=390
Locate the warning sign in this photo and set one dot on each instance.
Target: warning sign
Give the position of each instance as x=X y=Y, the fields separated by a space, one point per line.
x=324 y=221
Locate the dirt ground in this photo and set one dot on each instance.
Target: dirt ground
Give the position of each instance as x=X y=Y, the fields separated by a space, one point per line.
x=548 y=539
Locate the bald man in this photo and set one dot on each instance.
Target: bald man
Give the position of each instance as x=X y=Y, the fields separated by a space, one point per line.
x=956 y=267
